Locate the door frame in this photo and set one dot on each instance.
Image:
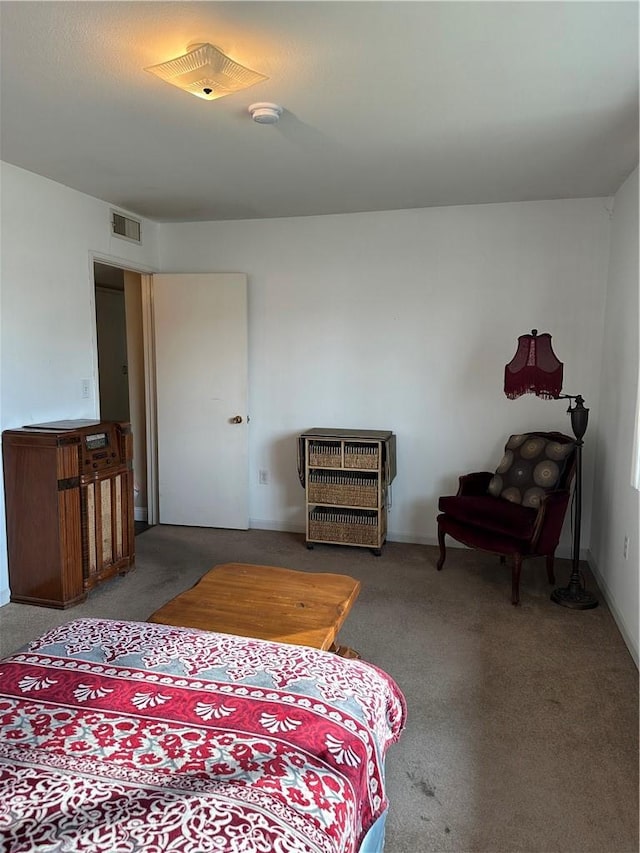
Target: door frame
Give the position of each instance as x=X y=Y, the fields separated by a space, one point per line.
x=148 y=343
x=145 y=273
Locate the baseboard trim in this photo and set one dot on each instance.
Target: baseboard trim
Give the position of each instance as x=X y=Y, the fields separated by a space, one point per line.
x=563 y=552
x=411 y=540
x=278 y=526
x=281 y=527
x=140 y=513
x=627 y=635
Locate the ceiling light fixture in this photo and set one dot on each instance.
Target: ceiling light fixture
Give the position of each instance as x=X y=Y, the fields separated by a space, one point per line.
x=206 y=72
x=265 y=113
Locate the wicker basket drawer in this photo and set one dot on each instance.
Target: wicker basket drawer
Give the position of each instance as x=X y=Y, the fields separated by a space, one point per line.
x=344 y=527
x=325 y=454
x=349 y=534
x=361 y=456
x=343 y=489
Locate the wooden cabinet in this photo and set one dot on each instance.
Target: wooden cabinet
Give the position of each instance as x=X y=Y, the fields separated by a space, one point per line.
x=347 y=474
x=69 y=508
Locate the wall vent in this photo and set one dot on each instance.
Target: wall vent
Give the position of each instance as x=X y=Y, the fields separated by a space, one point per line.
x=125 y=227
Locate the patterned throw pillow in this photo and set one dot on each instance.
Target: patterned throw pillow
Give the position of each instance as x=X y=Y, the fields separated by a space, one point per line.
x=531 y=466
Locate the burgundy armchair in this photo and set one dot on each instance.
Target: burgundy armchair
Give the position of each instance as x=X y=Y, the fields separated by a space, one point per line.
x=517 y=512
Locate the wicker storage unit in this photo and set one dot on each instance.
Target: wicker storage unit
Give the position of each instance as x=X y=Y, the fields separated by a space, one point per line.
x=346 y=474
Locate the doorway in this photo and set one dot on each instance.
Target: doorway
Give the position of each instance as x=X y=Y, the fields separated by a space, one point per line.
x=121 y=369
x=186 y=357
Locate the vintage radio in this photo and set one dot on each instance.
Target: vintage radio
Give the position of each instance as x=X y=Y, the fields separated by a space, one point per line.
x=69 y=508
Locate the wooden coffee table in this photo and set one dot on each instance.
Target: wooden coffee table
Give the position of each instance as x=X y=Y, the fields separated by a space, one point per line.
x=267 y=602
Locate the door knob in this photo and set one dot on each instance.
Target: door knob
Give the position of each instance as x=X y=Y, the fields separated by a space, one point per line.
x=237 y=419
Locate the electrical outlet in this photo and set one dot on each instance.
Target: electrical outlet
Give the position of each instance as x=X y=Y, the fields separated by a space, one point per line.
x=625 y=548
x=263 y=477
x=85 y=389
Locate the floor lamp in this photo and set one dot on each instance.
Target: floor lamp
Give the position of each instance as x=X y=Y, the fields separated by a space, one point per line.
x=535 y=369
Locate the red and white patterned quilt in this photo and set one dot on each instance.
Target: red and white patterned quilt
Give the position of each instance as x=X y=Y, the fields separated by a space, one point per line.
x=127 y=736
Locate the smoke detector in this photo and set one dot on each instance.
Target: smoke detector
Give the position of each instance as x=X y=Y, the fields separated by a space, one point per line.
x=265 y=113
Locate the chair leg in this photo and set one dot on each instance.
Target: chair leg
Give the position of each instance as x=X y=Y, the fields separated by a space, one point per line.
x=443 y=550
x=515 y=579
x=550 y=574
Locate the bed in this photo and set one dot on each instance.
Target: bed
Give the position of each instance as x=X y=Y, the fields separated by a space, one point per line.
x=128 y=736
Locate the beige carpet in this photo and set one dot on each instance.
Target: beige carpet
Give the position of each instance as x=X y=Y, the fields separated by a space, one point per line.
x=523 y=722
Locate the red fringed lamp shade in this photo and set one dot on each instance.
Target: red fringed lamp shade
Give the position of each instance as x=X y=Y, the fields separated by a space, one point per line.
x=534 y=369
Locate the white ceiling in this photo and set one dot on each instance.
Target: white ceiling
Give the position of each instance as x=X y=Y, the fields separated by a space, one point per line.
x=387 y=105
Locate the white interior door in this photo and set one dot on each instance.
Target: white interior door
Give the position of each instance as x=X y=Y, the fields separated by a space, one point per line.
x=200 y=323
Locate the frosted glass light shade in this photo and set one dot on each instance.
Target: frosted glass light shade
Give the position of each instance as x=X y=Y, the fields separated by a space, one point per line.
x=206 y=72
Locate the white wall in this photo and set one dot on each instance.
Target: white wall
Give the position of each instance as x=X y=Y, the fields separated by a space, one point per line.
x=404 y=320
x=400 y=320
x=46 y=290
x=616 y=504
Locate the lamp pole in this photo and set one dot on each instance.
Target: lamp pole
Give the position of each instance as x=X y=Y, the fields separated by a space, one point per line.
x=575 y=595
